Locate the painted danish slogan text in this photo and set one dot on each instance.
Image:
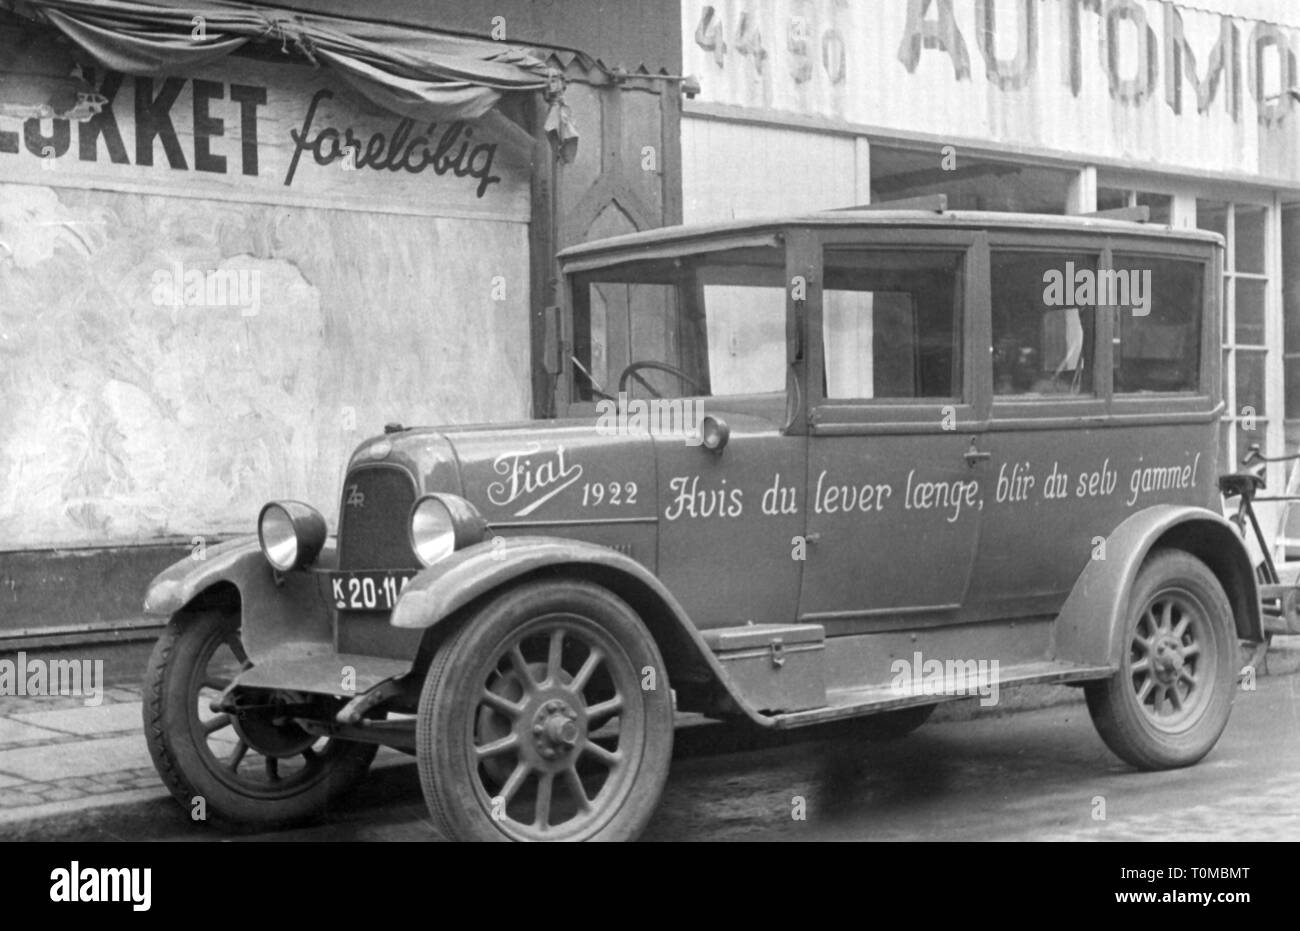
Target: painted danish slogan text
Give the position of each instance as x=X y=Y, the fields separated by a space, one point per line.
x=952 y=498
x=528 y=479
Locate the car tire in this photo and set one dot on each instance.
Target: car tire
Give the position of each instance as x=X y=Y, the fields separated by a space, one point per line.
x=190 y=665
x=513 y=736
x=1170 y=699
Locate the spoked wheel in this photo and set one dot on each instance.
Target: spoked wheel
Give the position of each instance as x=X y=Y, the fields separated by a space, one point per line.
x=253 y=770
x=547 y=716
x=1170 y=701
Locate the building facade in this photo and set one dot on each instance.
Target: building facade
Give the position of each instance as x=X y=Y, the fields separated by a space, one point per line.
x=218 y=280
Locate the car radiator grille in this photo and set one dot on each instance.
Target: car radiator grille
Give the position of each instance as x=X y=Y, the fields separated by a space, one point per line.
x=373 y=519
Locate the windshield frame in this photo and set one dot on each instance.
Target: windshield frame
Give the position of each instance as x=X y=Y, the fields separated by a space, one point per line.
x=577 y=271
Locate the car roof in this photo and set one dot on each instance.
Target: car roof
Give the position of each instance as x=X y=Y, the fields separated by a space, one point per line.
x=882 y=216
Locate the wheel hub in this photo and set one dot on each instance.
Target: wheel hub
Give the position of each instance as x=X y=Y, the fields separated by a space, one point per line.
x=272 y=734
x=1167 y=659
x=555 y=729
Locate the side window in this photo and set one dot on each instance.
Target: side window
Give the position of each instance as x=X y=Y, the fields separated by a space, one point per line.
x=892 y=324
x=688 y=326
x=1044 y=323
x=1159 y=325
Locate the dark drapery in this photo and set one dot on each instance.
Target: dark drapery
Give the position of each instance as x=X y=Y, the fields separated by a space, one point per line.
x=417 y=73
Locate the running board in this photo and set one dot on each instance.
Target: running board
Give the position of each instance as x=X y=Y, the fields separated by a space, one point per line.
x=848 y=703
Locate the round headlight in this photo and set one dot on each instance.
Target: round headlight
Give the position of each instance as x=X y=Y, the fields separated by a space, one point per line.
x=433 y=536
x=442 y=524
x=291 y=534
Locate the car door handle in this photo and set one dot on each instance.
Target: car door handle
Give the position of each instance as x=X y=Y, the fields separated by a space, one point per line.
x=974 y=455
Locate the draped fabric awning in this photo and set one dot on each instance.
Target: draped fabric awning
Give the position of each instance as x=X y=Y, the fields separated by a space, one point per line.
x=417 y=73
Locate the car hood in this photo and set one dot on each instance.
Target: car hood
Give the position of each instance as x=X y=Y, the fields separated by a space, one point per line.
x=540 y=472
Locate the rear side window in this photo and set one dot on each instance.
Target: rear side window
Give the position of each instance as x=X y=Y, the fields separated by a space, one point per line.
x=892 y=324
x=1158 y=328
x=1044 y=329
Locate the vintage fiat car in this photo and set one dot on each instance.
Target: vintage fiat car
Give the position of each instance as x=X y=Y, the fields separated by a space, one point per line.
x=847 y=464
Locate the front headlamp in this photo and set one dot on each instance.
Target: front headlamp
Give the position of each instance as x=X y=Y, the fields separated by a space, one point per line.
x=441 y=524
x=291 y=534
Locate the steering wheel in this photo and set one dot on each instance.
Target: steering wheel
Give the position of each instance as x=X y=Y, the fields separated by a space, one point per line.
x=632 y=370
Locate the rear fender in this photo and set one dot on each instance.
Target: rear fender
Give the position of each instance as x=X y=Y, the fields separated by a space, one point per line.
x=454 y=584
x=1090 y=628
x=273 y=612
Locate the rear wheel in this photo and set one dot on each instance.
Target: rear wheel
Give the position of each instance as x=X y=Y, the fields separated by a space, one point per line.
x=251 y=772
x=546 y=716
x=1170 y=699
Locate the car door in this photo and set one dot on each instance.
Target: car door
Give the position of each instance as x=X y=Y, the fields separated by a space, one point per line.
x=1097 y=410
x=896 y=475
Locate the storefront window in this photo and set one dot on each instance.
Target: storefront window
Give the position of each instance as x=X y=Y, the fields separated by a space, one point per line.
x=1248 y=363
x=1160 y=205
x=1291 y=323
x=968 y=182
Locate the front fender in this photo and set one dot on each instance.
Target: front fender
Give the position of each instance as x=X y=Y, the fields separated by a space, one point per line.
x=440 y=590
x=272 y=613
x=1090 y=628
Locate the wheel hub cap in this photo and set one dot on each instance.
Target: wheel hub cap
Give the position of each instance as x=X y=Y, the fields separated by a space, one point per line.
x=555 y=729
x=1167 y=659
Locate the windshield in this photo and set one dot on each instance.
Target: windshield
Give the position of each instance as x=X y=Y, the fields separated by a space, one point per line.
x=686 y=326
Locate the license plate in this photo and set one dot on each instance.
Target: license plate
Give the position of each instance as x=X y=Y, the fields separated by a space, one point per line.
x=368 y=590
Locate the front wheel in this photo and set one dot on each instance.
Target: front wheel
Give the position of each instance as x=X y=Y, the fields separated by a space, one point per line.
x=546 y=716
x=1170 y=699
x=246 y=772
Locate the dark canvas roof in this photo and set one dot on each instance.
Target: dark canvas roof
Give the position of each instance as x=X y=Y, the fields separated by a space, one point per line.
x=633 y=33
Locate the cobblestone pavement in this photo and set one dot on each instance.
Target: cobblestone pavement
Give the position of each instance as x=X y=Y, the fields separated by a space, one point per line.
x=57 y=749
x=58 y=755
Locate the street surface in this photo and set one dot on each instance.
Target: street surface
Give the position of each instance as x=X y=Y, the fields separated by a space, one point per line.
x=1037 y=775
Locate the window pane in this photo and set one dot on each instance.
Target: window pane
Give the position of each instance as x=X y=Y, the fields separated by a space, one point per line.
x=1162 y=206
x=1225 y=336
x=1292 y=430
x=892 y=324
x=1250 y=384
x=1043 y=341
x=1111 y=198
x=681 y=327
x=1249 y=238
x=1226 y=374
x=1250 y=311
x=1212 y=215
x=746 y=338
x=1248 y=438
x=1159 y=325
x=1291 y=369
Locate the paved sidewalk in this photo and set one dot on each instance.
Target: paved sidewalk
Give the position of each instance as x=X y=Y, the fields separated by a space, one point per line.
x=58 y=755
